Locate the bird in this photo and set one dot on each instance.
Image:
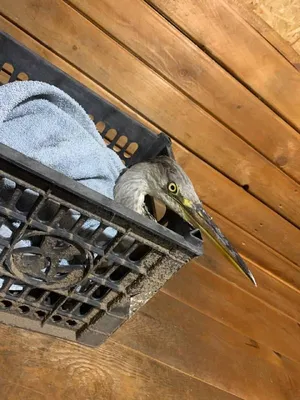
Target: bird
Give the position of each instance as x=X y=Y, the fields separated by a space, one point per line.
x=164 y=179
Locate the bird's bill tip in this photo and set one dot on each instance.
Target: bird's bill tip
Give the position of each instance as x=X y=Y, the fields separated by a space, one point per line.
x=251 y=277
x=199 y=219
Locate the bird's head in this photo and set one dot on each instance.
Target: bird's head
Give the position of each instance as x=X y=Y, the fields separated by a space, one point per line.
x=163 y=179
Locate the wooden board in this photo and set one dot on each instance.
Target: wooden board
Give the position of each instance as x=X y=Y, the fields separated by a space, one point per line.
x=282 y=15
x=220 y=30
x=182 y=337
x=161 y=102
x=183 y=64
x=177 y=335
x=199 y=287
x=296 y=46
x=260 y=24
x=265 y=258
x=59 y=62
x=40 y=367
x=235 y=204
x=13 y=391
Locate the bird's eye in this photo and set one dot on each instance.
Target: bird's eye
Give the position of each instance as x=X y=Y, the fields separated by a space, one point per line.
x=173 y=188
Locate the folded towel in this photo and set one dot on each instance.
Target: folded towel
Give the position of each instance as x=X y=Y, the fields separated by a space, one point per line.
x=46 y=124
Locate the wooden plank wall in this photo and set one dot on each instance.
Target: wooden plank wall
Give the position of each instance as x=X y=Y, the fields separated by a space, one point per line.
x=227 y=90
x=282 y=15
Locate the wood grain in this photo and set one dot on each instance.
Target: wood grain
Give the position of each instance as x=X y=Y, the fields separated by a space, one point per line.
x=267 y=259
x=153 y=97
x=265 y=30
x=184 y=338
x=198 y=286
x=235 y=204
x=282 y=15
x=180 y=61
x=16 y=392
x=296 y=47
x=71 y=70
x=215 y=26
x=33 y=365
x=175 y=334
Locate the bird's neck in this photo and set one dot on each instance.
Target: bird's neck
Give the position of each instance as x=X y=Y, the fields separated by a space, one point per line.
x=131 y=188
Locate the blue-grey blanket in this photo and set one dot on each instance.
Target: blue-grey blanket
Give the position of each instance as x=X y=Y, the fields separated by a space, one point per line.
x=44 y=123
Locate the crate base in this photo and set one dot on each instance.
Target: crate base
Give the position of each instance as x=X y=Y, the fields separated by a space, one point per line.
x=35 y=326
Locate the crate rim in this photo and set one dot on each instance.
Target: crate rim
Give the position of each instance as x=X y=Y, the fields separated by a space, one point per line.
x=62 y=181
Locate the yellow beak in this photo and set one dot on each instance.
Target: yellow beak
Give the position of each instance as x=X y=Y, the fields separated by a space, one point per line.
x=199 y=219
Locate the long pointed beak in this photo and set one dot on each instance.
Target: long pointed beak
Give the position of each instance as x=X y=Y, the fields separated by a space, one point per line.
x=199 y=219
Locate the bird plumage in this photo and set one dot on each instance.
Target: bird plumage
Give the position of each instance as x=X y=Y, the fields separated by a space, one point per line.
x=164 y=179
x=152 y=178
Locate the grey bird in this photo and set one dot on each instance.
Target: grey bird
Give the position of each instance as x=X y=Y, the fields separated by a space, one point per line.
x=163 y=179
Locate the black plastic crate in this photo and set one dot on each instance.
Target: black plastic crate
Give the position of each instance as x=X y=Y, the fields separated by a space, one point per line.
x=106 y=279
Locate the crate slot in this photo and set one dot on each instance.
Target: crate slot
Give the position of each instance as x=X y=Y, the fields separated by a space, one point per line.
x=119 y=273
x=35 y=294
x=56 y=318
x=139 y=253
x=7 y=70
x=85 y=309
x=100 y=292
x=24 y=309
x=6 y=303
x=69 y=305
x=40 y=314
x=22 y=76
x=131 y=149
x=100 y=125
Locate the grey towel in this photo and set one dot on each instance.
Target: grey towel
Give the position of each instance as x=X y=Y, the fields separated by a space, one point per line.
x=44 y=123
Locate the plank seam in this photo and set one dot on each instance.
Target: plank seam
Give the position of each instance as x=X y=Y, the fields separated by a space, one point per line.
x=223 y=65
x=249 y=233
x=233 y=328
x=198 y=262
x=231 y=4
x=173 y=368
x=130 y=51
x=182 y=91
x=261 y=243
x=157 y=72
